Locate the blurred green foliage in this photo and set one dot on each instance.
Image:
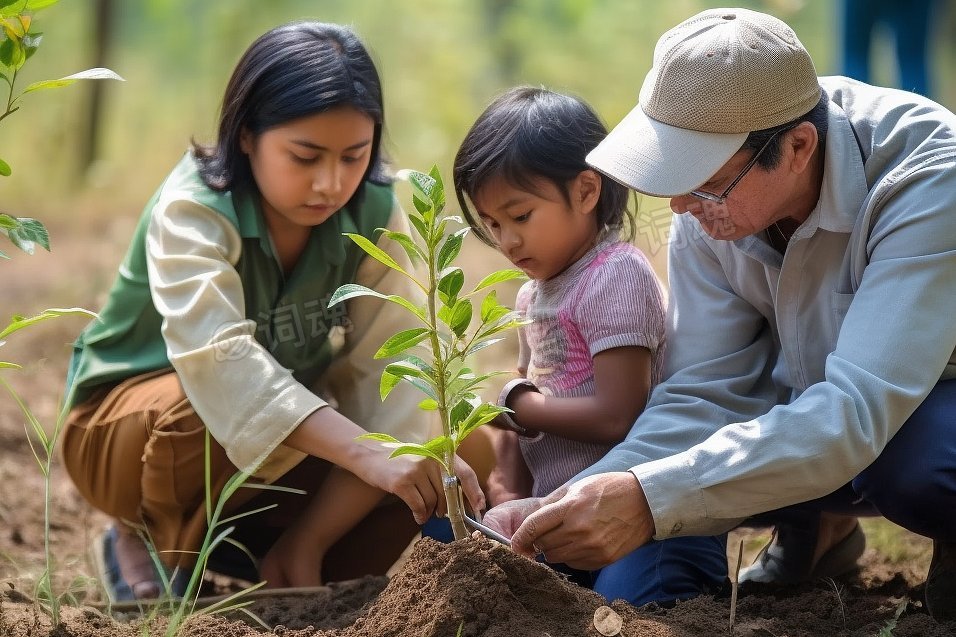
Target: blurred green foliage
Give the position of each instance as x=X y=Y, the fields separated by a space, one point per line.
x=441 y=62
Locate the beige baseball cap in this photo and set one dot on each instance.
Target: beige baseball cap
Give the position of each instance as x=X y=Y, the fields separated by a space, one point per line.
x=716 y=77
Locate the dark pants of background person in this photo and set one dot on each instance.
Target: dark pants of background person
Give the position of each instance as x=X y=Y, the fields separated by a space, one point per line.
x=912 y=483
x=660 y=572
x=909 y=22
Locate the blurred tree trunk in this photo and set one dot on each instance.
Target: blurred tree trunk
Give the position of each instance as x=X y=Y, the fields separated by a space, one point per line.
x=497 y=13
x=103 y=20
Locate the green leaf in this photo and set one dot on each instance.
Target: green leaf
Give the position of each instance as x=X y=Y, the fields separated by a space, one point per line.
x=376 y=252
x=387 y=384
x=437 y=193
x=89 y=74
x=440 y=445
x=422 y=184
x=12 y=54
x=5 y=169
x=31 y=42
x=480 y=345
x=451 y=248
x=420 y=226
x=401 y=342
x=458 y=413
x=422 y=365
x=423 y=207
x=409 y=371
x=423 y=387
x=449 y=284
x=460 y=317
x=3 y=255
x=12 y=8
x=484 y=413
x=5 y=365
x=417 y=450
x=500 y=276
x=351 y=290
x=9 y=8
x=428 y=405
x=379 y=438
x=36 y=5
x=19 y=322
x=491 y=309
x=414 y=252
x=28 y=232
x=7 y=222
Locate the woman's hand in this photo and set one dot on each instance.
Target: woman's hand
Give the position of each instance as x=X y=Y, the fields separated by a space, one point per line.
x=327 y=434
x=418 y=482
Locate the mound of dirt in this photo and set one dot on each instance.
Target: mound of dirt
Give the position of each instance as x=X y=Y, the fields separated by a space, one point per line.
x=478 y=588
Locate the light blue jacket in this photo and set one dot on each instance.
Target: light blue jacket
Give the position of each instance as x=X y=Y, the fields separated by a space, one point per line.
x=786 y=376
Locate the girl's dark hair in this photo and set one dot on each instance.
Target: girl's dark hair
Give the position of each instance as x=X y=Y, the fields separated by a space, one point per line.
x=292 y=71
x=531 y=133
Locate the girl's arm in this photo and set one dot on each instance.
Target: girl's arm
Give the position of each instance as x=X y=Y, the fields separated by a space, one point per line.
x=619 y=312
x=510 y=479
x=622 y=379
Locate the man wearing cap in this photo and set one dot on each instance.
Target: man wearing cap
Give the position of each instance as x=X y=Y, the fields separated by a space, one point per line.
x=812 y=321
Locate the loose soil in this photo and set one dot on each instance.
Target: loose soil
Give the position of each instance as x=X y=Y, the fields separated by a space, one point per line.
x=475 y=586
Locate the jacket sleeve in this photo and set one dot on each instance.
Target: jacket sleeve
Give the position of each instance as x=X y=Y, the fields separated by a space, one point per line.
x=249 y=402
x=895 y=343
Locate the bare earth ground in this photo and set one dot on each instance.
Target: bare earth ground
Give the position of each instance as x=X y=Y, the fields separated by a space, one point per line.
x=476 y=587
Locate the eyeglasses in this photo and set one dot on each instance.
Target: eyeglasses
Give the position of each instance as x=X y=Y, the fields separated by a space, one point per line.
x=721 y=198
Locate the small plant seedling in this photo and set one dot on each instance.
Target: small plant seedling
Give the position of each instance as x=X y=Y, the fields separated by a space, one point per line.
x=43 y=445
x=179 y=610
x=887 y=629
x=838 y=590
x=444 y=334
x=18 y=42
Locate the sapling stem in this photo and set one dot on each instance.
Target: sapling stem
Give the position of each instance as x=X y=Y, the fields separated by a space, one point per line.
x=443 y=320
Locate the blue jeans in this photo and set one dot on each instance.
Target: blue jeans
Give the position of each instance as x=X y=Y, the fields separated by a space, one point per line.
x=912 y=483
x=662 y=572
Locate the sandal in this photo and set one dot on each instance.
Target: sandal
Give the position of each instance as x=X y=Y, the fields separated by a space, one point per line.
x=111 y=577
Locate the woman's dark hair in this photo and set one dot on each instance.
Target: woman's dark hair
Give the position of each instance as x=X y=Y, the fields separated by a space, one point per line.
x=771 y=156
x=292 y=71
x=532 y=133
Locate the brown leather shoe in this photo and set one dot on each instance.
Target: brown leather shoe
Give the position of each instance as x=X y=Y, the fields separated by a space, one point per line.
x=788 y=557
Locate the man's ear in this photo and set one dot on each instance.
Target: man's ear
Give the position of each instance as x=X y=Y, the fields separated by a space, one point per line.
x=802 y=142
x=585 y=191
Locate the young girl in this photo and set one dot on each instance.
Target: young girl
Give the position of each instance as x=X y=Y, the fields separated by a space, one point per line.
x=593 y=350
x=219 y=322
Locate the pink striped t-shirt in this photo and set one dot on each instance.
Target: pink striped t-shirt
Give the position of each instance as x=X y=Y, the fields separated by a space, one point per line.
x=608 y=298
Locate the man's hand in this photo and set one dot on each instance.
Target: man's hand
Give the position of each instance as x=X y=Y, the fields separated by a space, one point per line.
x=586 y=525
x=508 y=516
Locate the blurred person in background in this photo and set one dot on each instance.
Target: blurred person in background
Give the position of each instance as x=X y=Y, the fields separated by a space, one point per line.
x=909 y=22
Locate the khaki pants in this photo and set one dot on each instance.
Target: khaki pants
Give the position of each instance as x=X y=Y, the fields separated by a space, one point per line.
x=137 y=452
